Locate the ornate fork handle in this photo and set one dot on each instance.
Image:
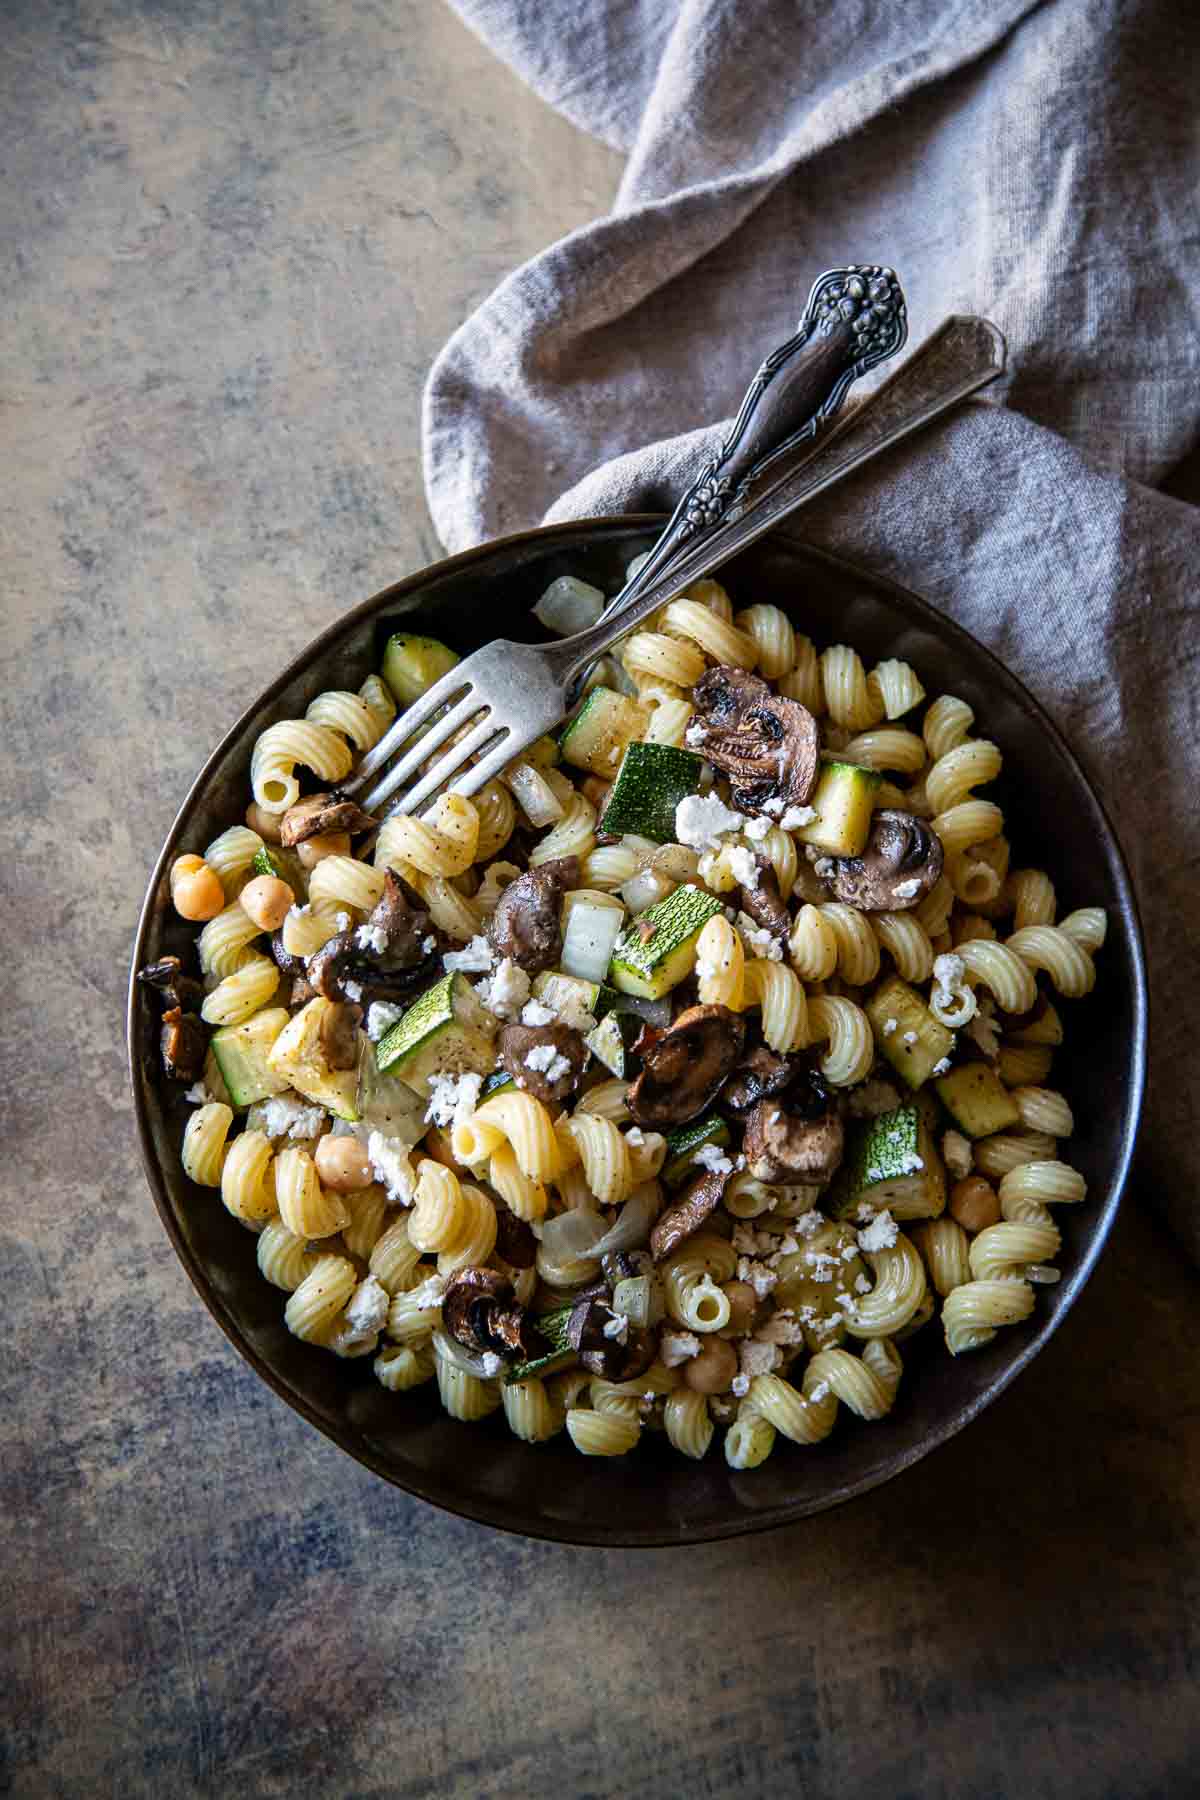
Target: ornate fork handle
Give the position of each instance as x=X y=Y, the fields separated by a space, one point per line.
x=855 y=317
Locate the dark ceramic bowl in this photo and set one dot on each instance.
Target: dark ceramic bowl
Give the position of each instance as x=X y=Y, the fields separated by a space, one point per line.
x=656 y=1496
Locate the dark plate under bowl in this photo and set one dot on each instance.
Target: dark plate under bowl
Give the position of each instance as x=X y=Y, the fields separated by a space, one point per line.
x=656 y=1496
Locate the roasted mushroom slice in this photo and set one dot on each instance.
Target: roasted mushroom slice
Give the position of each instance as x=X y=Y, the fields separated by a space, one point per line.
x=183 y=1043
x=768 y=746
x=339 y=1035
x=525 y=925
x=701 y=1197
x=608 y=1346
x=319 y=814
x=515 y=1242
x=385 y=959
x=544 y=1060
x=174 y=988
x=760 y=1073
x=683 y=1069
x=479 y=1312
x=795 y=1137
x=763 y=904
x=901 y=861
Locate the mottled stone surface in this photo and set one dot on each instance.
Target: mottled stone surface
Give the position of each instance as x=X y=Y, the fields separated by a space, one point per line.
x=234 y=232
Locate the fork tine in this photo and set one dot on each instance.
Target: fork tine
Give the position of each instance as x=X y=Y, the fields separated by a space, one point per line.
x=444 y=770
x=424 y=747
x=447 y=688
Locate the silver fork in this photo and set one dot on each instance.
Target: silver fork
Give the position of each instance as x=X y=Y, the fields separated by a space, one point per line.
x=765 y=469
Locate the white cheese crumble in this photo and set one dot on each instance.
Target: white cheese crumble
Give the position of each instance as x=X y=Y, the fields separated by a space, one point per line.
x=824 y=867
x=677 y=1347
x=757 y=1275
x=371 y=937
x=862 y=1284
x=701 y=820
x=448 y=1094
x=757 y=829
x=907 y=890
x=283 y=1116
x=635 y=1136
x=808 y=1224
x=428 y=945
x=714 y=1159
x=880 y=1234
x=957 y=1154
x=352 y=990
x=390 y=1165
x=342 y=921
x=950 y=998
x=544 y=1059
x=758 y=939
x=381 y=1016
x=475 y=958
x=796 y=817
x=740 y=1385
x=430 y=1294
x=534 y=1013
x=617 y=1327
x=366 y=1312
x=743 y=865
x=910 y=1037
x=890 y=1025
x=505 y=994
x=198 y=1093
x=491 y=1364
x=940 y=1068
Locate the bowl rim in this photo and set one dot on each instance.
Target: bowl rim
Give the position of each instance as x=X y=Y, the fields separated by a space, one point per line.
x=600 y=1535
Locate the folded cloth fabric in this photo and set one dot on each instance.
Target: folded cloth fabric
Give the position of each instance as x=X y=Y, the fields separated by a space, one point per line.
x=1031 y=162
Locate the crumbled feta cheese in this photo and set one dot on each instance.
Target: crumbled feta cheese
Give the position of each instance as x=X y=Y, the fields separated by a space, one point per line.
x=757 y=939
x=352 y=990
x=760 y=1277
x=617 y=1327
x=544 y=1059
x=491 y=1364
x=824 y=867
x=808 y=1223
x=740 y=1385
x=475 y=958
x=798 y=816
x=635 y=1136
x=950 y=992
x=428 y=945
x=390 y=1165
x=448 y=1094
x=822 y=1265
x=757 y=829
x=285 y=1116
x=743 y=866
x=781 y=1328
x=708 y=968
x=430 y=1294
x=957 y=1154
x=940 y=1068
x=714 y=1159
x=890 y=1025
x=506 y=992
x=880 y=1234
x=757 y=1358
x=701 y=820
x=907 y=890
x=342 y=921
x=677 y=1347
x=366 y=1312
x=774 y=805
x=849 y=1253
x=534 y=1013
x=381 y=1016
x=372 y=938
x=198 y=1093
x=871 y=1098
x=862 y=1284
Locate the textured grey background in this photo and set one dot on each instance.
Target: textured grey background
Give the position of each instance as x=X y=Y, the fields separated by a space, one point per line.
x=232 y=236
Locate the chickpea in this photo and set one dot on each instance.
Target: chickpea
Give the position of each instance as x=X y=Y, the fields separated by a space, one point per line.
x=267 y=901
x=342 y=1163
x=974 y=1203
x=714 y=1369
x=743 y=1304
x=313 y=850
x=196 y=890
x=266 y=824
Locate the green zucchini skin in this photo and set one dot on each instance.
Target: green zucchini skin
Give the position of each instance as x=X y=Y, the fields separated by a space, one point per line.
x=652 y=780
x=651 y=965
x=685 y=1140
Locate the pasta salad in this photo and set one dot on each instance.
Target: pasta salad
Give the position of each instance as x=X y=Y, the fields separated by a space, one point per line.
x=669 y=1083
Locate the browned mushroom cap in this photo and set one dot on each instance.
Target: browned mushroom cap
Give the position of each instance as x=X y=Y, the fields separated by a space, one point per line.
x=174 y=988
x=795 y=1137
x=183 y=1044
x=552 y=1082
x=760 y=1073
x=319 y=813
x=468 y=1294
x=768 y=746
x=515 y=1242
x=683 y=1068
x=900 y=863
x=701 y=1197
x=625 y=1361
x=764 y=905
x=339 y=1035
x=383 y=960
x=525 y=924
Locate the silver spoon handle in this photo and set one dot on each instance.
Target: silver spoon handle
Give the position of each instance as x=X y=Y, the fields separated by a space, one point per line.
x=954 y=362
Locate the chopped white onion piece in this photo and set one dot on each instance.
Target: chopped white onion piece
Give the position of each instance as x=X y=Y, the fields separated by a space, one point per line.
x=534 y=795
x=569 y=605
x=591 y=926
